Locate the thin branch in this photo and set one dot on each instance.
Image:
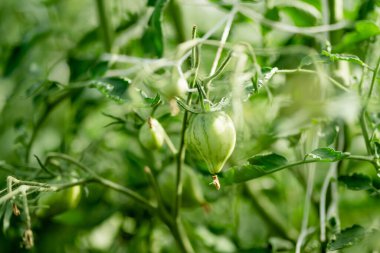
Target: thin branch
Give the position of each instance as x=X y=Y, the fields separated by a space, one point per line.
x=372 y=82
x=223 y=40
x=332 y=80
x=104 y=24
x=289 y=28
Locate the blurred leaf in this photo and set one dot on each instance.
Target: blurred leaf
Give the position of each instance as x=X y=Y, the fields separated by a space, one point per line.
x=258 y=166
x=7 y=215
x=268 y=161
x=271 y=14
x=327 y=155
x=20 y=50
x=113 y=88
x=152 y=39
x=302 y=13
x=364 y=30
x=344 y=57
x=84 y=69
x=313 y=59
x=151 y=101
x=348 y=237
x=356 y=182
x=151 y=2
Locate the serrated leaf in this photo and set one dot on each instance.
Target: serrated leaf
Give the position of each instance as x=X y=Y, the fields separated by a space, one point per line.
x=152 y=40
x=113 y=88
x=356 y=182
x=258 y=166
x=327 y=155
x=344 y=57
x=348 y=237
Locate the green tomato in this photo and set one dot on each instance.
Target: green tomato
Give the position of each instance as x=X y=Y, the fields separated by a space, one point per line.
x=192 y=194
x=54 y=203
x=175 y=89
x=151 y=134
x=211 y=138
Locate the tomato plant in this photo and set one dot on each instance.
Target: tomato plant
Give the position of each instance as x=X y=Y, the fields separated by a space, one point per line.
x=189 y=126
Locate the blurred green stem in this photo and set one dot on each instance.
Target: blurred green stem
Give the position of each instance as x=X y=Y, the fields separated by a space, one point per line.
x=104 y=25
x=309 y=71
x=177 y=16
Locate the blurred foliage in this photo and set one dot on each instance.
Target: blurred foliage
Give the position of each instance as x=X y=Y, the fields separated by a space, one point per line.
x=298 y=95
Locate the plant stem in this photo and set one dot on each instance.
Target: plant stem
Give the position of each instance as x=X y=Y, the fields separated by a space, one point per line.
x=178 y=22
x=363 y=126
x=372 y=82
x=299 y=70
x=104 y=25
x=223 y=41
x=182 y=146
x=132 y=194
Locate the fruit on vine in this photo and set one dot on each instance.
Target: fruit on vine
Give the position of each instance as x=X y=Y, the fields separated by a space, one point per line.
x=178 y=88
x=54 y=203
x=192 y=194
x=151 y=134
x=211 y=137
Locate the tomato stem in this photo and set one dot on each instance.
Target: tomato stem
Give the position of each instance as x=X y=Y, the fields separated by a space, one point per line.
x=215 y=182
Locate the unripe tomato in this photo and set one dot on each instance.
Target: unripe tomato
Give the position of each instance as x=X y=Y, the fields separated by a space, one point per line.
x=53 y=203
x=175 y=89
x=211 y=137
x=151 y=134
x=192 y=195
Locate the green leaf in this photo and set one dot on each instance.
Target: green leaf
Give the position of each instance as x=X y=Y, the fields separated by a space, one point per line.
x=113 y=88
x=84 y=69
x=356 y=182
x=302 y=13
x=313 y=59
x=258 y=166
x=364 y=30
x=348 y=237
x=327 y=155
x=268 y=161
x=7 y=215
x=20 y=50
x=344 y=57
x=151 y=101
x=152 y=40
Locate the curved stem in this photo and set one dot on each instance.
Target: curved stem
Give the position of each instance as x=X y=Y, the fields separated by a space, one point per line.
x=309 y=71
x=132 y=194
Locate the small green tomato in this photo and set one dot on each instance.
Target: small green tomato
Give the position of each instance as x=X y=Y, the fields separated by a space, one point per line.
x=54 y=203
x=211 y=137
x=151 y=134
x=175 y=89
